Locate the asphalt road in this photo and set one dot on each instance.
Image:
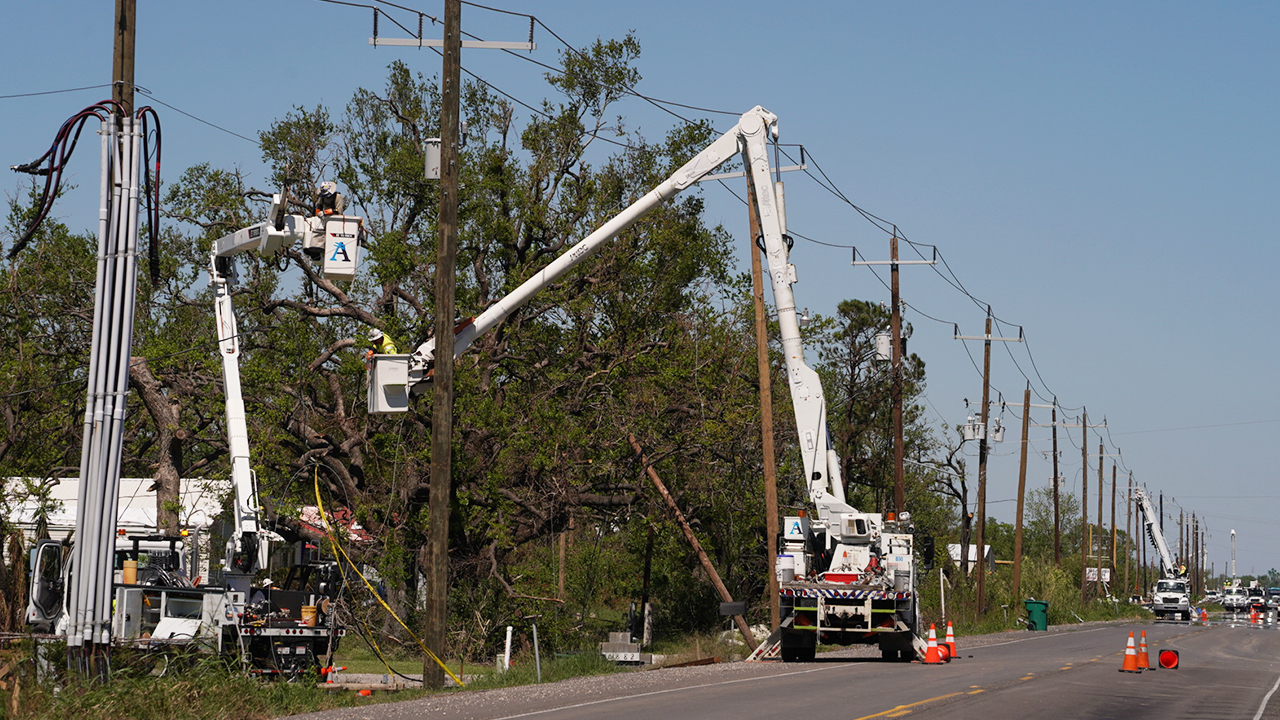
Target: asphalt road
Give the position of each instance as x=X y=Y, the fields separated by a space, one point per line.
x=1227 y=671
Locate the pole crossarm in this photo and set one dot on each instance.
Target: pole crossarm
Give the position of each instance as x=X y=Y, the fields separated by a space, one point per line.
x=856 y=261
x=431 y=42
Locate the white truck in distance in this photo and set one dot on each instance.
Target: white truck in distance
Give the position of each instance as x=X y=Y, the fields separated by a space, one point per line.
x=1171 y=596
x=854 y=571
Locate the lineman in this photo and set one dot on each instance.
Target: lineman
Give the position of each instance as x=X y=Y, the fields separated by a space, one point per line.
x=382 y=343
x=328 y=202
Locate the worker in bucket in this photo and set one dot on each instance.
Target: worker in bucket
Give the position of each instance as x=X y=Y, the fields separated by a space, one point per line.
x=382 y=343
x=328 y=202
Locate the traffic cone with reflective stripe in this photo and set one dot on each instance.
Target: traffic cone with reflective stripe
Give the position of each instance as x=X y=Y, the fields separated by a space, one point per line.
x=1130 y=657
x=951 y=640
x=931 y=655
x=1144 y=660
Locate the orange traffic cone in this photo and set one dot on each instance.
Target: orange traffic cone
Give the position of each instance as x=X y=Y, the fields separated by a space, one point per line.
x=1253 y=617
x=1204 y=616
x=1144 y=660
x=951 y=640
x=931 y=655
x=1130 y=657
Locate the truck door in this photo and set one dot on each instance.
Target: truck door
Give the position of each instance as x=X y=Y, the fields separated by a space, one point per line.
x=45 y=602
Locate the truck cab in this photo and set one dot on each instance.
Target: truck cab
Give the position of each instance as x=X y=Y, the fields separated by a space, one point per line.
x=1171 y=599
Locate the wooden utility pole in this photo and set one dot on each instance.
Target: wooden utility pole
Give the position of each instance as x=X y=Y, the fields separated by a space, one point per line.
x=1084 y=504
x=1128 y=532
x=764 y=374
x=1113 y=521
x=1057 y=520
x=986 y=339
x=982 y=470
x=123 y=55
x=895 y=326
x=1022 y=488
x=710 y=569
x=442 y=398
x=895 y=356
x=1097 y=584
x=1182 y=541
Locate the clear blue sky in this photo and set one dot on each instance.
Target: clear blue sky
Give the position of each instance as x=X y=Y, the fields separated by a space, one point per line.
x=1103 y=174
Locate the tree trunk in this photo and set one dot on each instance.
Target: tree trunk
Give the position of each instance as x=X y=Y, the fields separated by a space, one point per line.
x=169 y=439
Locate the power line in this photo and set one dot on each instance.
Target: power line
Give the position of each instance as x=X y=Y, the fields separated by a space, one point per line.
x=55 y=92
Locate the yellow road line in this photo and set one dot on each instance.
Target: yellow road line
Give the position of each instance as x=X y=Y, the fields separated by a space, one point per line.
x=901 y=710
x=974 y=692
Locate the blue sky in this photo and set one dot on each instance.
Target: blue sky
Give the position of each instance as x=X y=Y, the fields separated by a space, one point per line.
x=1103 y=174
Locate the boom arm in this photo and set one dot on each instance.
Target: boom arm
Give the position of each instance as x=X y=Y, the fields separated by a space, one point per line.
x=748 y=139
x=248 y=548
x=1153 y=532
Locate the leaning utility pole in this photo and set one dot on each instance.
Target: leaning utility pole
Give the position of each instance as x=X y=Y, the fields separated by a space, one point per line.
x=895 y=329
x=123 y=55
x=1022 y=488
x=986 y=339
x=442 y=389
x=764 y=375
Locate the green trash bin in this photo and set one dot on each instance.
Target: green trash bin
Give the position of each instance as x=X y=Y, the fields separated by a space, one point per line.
x=1037 y=614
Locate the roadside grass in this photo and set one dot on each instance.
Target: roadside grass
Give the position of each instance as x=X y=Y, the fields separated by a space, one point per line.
x=196 y=687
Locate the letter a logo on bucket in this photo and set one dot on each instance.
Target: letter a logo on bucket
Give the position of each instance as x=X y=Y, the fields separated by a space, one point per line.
x=795 y=528
x=340 y=248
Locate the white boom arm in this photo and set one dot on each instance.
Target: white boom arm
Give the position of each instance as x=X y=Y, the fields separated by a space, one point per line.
x=749 y=140
x=1153 y=532
x=249 y=547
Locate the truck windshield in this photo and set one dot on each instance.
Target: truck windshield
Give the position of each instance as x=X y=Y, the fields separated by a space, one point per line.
x=1170 y=586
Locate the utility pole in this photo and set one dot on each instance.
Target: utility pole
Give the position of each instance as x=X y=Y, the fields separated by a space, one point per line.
x=1097 y=588
x=1022 y=488
x=1084 y=504
x=442 y=397
x=437 y=549
x=1101 y=522
x=1057 y=480
x=123 y=55
x=982 y=470
x=982 y=453
x=1113 y=520
x=895 y=329
x=1128 y=532
x=895 y=326
x=763 y=372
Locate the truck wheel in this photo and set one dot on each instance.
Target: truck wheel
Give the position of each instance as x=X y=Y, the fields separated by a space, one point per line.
x=1186 y=615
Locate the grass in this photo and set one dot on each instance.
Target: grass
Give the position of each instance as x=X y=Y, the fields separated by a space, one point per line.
x=201 y=688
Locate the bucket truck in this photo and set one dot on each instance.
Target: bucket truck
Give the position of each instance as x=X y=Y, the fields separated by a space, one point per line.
x=849 y=575
x=1171 y=596
x=282 y=629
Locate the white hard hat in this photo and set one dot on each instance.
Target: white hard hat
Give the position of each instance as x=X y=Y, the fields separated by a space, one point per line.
x=328 y=188
x=375 y=335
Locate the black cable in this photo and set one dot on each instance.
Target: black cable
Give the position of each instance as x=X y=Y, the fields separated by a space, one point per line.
x=158 y=101
x=55 y=92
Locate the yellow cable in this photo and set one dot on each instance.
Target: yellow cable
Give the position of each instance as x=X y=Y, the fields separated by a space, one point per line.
x=329 y=531
x=367 y=633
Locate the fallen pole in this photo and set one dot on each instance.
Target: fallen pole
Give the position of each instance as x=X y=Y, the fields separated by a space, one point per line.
x=741 y=621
